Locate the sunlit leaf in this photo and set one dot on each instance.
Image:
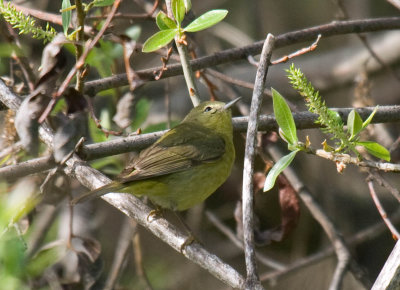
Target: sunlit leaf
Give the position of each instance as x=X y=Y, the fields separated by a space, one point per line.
x=277 y=169
x=370 y=117
x=66 y=15
x=375 y=149
x=158 y=40
x=284 y=118
x=178 y=9
x=102 y=3
x=164 y=22
x=206 y=20
x=354 y=123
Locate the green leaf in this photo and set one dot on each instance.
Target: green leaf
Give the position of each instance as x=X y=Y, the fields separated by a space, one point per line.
x=158 y=40
x=178 y=9
x=206 y=20
x=66 y=15
x=354 y=123
x=284 y=118
x=375 y=149
x=369 y=119
x=164 y=22
x=277 y=169
x=102 y=3
x=335 y=116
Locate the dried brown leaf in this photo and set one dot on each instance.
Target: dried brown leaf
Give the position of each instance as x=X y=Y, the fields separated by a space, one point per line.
x=26 y=121
x=290 y=213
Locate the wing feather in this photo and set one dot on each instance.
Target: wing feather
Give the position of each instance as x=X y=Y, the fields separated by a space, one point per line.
x=185 y=146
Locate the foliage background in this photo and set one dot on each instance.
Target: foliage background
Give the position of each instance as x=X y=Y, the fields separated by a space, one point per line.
x=334 y=68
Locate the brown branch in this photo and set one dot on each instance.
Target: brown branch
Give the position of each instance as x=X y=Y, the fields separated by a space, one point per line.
x=381 y=210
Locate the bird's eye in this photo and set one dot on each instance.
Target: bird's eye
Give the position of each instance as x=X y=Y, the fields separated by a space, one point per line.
x=207 y=109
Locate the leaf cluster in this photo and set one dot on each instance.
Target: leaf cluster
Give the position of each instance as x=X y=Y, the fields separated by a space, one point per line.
x=329 y=119
x=26 y=24
x=169 y=28
x=332 y=123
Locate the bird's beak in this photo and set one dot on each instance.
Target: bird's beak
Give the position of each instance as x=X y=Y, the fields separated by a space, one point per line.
x=231 y=103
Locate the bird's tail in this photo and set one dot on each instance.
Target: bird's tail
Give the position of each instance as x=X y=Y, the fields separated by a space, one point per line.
x=111 y=187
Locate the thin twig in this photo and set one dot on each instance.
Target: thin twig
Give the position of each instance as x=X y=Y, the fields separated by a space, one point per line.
x=140 y=271
x=42 y=223
x=381 y=210
x=236 y=82
x=238 y=243
x=364 y=235
x=130 y=16
x=121 y=250
x=19 y=56
x=252 y=280
x=384 y=183
x=80 y=35
x=366 y=44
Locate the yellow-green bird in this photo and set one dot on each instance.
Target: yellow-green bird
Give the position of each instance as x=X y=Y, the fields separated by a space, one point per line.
x=186 y=165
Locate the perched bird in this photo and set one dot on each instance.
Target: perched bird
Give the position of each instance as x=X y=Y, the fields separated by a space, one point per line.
x=185 y=166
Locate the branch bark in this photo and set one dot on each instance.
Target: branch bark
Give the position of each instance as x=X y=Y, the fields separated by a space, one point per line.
x=389 y=277
x=252 y=279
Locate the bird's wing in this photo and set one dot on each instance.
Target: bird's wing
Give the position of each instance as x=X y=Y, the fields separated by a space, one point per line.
x=179 y=149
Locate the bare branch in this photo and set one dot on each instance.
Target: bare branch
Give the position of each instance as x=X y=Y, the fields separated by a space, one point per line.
x=382 y=211
x=234 y=54
x=389 y=277
x=303 y=120
x=252 y=280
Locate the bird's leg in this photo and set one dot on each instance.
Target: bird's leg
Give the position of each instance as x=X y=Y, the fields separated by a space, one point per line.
x=155 y=214
x=190 y=238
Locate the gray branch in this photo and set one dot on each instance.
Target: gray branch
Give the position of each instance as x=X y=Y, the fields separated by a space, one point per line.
x=234 y=54
x=252 y=280
x=389 y=277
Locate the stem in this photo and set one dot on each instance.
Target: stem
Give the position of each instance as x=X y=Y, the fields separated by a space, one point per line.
x=80 y=15
x=185 y=62
x=188 y=73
